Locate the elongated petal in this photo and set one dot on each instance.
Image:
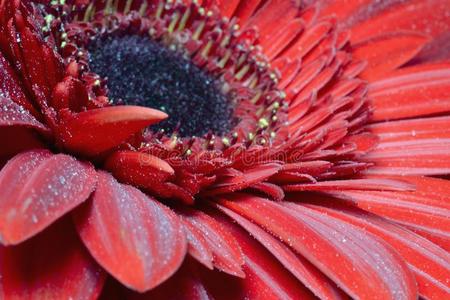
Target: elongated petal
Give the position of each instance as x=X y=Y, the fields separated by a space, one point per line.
x=430 y=263
x=36 y=188
x=426 y=208
x=199 y=246
x=362 y=265
x=303 y=270
x=352 y=184
x=244 y=180
x=10 y=86
x=227 y=255
x=98 y=130
x=387 y=52
x=414 y=156
x=132 y=236
x=52 y=265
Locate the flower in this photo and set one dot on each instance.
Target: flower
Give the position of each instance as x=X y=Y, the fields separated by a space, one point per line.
x=224 y=149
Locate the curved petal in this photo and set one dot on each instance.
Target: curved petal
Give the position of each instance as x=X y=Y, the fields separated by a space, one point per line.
x=98 y=130
x=426 y=208
x=227 y=255
x=51 y=265
x=430 y=263
x=186 y=284
x=236 y=182
x=362 y=265
x=138 y=169
x=303 y=270
x=411 y=92
x=136 y=239
x=37 y=188
x=387 y=52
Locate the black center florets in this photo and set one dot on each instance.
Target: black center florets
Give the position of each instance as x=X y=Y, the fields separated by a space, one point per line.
x=140 y=71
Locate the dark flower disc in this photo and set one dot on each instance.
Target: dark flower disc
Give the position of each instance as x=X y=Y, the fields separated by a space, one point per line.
x=140 y=71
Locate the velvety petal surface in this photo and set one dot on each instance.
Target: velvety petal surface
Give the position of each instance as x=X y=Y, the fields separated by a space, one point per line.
x=135 y=238
x=362 y=265
x=98 y=130
x=37 y=188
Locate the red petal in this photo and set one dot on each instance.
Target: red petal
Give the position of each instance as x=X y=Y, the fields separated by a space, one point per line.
x=244 y=180
x=426 y=208
x=359 y=263
x=352 y=184
x=387 y=52
x=52 y=265
x=309 y=39
x=411 y=157
x=426 y=16
x=430 y=263
x=199 y=247
x=12 y=114
x=227 y=255
x=10 y=86
x=265 y=277
x=423 y=128
x=37 y=188
x=138 y=169
x=411 y=92
x=186 y=284
x=98 y=130
x=136 y=239
x=309 y=275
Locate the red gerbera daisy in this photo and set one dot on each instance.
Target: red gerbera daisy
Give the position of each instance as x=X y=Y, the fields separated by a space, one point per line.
x=260 y=149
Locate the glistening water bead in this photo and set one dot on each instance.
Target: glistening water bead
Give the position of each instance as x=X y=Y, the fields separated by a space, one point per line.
x=140 y=71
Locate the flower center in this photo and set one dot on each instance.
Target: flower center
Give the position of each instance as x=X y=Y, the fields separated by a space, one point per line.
x=140 y=71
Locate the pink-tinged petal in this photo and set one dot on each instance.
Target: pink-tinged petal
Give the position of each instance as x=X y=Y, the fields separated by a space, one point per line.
x=51 y=265
x=410 y=93
x=136 y=239
x=414 y=156
x=425 y=209
x=302 y=269
x=198 y=245
x=37 y=188
x=98 y=130
x=274 y=191
x=227 y=255
x=429 y=263
x=387 y=52
x=247 y=178
x=425 y=16
x=138 y=169
x=265 y=277
x=378 y=184
x=423 y=128
x=362 y=265
x=12 y=114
